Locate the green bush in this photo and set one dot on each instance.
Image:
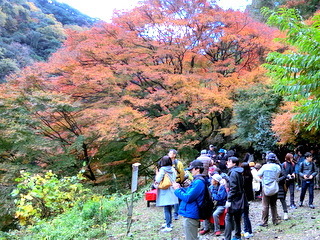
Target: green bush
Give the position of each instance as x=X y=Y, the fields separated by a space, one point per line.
x=43 y=197
x=101 y=208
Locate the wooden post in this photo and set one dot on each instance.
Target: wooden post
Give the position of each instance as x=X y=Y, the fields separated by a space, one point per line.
x=134 y=186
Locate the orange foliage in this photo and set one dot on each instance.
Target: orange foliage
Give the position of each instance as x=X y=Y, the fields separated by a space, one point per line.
x=158 y=71
x=284 y=126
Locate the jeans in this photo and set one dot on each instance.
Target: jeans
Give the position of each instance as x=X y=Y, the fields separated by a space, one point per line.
x=168 y=214
x=176 y=209
x=304 y=185
x=191 y=228
x=284 y=204
x=246 y=221
x=290 y=186
x=228 y=226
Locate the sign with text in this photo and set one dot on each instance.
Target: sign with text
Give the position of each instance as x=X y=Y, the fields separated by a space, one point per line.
x=134 y=184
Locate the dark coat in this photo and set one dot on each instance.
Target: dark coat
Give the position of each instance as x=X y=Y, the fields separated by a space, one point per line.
x=235 y=183
x=248 y=187
x=282 y=182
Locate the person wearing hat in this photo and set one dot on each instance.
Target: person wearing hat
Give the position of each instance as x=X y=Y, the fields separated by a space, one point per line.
x=307 y=172
x=222 y=160
x=206 y=160
x=269 y=174
x=211 y=152
x=219 y=194
x=189 y=198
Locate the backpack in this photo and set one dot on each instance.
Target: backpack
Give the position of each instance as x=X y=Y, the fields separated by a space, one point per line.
x=285 y=165
x=251 y=158
x=206 y=208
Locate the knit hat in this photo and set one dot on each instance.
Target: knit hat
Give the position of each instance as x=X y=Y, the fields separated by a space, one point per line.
x=216 y=177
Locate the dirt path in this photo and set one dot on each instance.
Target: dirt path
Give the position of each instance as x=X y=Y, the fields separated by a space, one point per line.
x=303 y=223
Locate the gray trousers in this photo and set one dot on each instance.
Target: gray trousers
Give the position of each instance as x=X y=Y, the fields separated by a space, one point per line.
x=191 y=228
x=269 y=201
x=206 y=224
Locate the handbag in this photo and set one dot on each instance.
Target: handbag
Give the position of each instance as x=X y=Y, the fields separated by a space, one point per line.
x=285 y=188
x=165 y=182
x=271 y=188
x=238 y=204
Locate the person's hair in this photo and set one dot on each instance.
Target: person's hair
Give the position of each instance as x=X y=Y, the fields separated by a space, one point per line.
x=234 y=160
x=200 y=167
x=271 y=157
x=288 y=156
x=246 y=169
x=166 y=161
x=218 y=170
x=308 y=154
x=250 y=150
x=174 y=151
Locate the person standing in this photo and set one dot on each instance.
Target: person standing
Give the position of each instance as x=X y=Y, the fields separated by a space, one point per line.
x=256 y=182
x=288 y=166
x=269 y=174
x=222 y=160
x=249 y=157
x=211 y=152
x=282 y=191
x=236 y=188
x=166 y=197
x=298 y=158
x=307 y=172
x=247 y=175
x=178 y=166
x=207 y=162
x=190 y=198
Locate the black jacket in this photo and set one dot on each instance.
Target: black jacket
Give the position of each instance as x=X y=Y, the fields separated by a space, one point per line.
x=235 y=183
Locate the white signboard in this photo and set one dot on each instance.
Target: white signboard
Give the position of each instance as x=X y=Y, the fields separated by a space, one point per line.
x=134 y=184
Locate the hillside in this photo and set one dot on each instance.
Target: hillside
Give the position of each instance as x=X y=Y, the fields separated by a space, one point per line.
x=31 y=31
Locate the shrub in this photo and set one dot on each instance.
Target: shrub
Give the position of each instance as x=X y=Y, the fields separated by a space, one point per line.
x=43 y=197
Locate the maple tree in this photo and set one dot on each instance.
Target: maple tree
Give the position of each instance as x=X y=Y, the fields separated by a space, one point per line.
x=160 y=76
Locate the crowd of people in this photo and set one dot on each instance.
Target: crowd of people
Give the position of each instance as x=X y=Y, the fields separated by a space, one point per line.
x=232 y=185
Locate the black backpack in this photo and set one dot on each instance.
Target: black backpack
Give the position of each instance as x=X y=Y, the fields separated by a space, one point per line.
x=206 y=208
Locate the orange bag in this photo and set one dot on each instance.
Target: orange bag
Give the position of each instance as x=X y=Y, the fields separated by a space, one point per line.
x=165 y=182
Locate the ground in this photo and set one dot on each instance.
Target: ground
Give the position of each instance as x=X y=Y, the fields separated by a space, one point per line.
x=303 y=223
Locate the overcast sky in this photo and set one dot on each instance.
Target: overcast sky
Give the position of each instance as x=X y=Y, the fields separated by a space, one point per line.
x=103 y=8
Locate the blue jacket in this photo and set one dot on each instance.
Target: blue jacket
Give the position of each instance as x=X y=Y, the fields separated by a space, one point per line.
x=220 y=196
x=188 y=206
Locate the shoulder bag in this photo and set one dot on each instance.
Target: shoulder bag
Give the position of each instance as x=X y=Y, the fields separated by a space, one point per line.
x=165 y=182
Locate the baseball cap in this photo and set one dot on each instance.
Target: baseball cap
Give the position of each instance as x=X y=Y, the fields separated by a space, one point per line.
x=203 y=151
x=195 y=164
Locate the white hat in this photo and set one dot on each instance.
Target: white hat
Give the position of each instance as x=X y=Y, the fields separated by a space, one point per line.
x=216 y=177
